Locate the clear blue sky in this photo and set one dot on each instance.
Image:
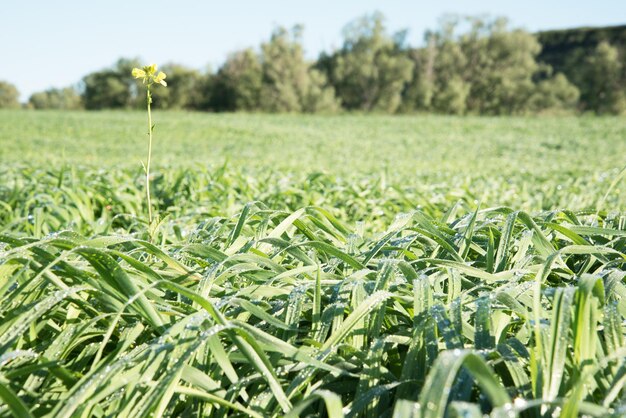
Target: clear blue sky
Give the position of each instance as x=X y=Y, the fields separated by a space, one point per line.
x=45 y=43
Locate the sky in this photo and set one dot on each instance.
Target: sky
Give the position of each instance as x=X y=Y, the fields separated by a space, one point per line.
x=54 y=43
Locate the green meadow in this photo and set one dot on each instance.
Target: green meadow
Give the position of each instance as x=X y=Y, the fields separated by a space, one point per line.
x=333 y=266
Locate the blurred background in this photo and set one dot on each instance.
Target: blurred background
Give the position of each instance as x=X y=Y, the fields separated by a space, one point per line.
x=452 y=57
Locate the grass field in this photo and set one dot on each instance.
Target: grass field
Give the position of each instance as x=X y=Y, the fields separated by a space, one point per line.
x=375 y=266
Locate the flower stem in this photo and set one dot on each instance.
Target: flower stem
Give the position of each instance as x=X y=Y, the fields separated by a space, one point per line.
x=149 y=101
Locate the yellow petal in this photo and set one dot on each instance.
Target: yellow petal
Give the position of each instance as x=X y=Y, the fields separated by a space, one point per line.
x=159 y=78
x=150 y=69
x=137 y=73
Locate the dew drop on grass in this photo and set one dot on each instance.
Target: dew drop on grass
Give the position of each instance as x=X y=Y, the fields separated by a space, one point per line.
x=7 y=357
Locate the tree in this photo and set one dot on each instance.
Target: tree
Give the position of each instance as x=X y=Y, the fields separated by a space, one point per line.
x=111 y=88
x=9 y=96
x=451 y=88
x=602 y=89
x=501 y=66
x=452 y=96
x=371 y=70
x=237 y=85
x=487 y=69
x=289 y=83
x=555 y=94
x=419 y=92
x=65 y=99
x=439 y=83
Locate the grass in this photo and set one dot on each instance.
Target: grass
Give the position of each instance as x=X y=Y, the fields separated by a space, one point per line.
x=342 y=144
x=312 y=266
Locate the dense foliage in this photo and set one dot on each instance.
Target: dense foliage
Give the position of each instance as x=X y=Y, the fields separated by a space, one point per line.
x=569 y=50
x=65 y=99
x=307 y=277
x=466 y=65
x=9 y=96
x=604 y=73
x=487 y=69
x=371 y=70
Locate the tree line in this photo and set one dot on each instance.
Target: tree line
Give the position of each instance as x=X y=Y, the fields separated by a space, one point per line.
x=468 y=65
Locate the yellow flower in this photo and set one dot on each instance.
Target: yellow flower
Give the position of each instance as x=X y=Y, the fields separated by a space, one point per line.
x=137 y=73
x=149 y=76
x=160 y=78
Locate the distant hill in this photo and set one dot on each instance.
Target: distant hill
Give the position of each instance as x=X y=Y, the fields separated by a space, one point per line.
x=565 y=49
